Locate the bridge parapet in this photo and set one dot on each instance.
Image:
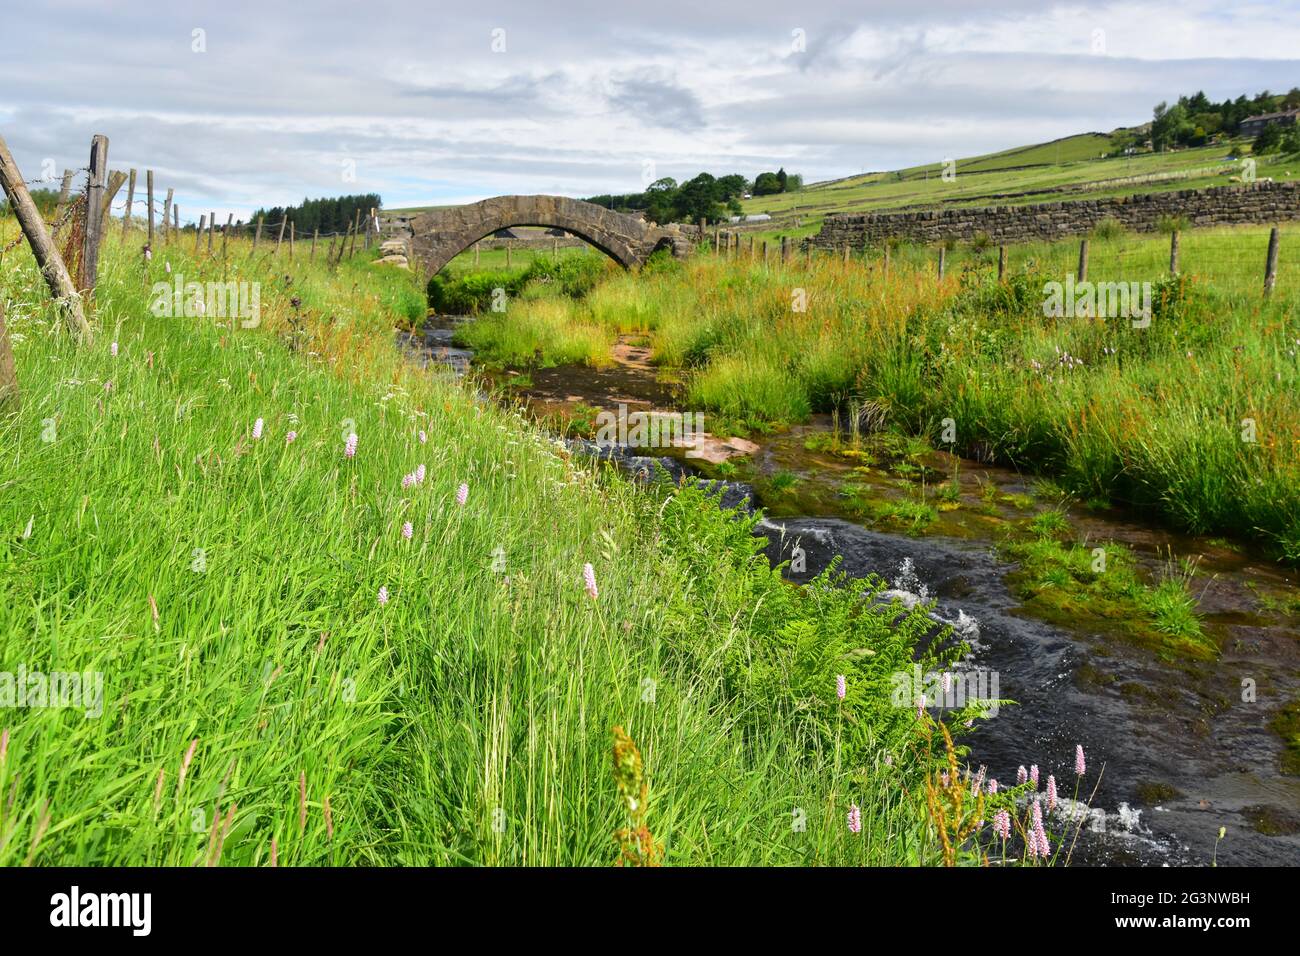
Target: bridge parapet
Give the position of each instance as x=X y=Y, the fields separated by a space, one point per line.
x=442 y=234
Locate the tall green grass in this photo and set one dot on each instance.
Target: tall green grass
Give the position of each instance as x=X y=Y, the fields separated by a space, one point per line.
x=1157 y=417
x=260 y=699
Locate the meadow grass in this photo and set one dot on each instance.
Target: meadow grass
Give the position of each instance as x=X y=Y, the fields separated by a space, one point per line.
x=1194 y=418
x=262 y=702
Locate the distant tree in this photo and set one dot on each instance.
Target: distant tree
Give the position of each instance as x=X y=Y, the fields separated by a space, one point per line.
x=782 y=178
x=1268 y=140
x=766 y=184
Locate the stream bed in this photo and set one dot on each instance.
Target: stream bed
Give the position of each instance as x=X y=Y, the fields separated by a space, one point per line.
x=1185 y=745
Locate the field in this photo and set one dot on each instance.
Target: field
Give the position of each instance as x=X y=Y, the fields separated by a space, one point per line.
x=307 y=659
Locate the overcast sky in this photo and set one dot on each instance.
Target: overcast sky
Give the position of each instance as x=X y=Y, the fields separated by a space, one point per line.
x=239 y=104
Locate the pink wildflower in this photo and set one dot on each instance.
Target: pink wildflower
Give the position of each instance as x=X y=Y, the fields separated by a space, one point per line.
x=1039 y=835
x=350 y=446
x=288 y=438
x=855 y=818
x=112 y=350
x=1051 y=793
x=589 y=580
x=419 y=474
x=407 y=531
x=1021 y=775
x=383 y=596
x=257 y=429
x=1079 y=766
x=840 y=687
x=1002 y=824
x=462 y=494
x=993 y=787
x=1033 y=775
x=423 y=437
x=920 y=706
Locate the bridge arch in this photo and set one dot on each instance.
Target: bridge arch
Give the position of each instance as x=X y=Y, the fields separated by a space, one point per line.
x=442 y=234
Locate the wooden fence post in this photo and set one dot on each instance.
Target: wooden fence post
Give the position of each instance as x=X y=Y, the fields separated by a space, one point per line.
x=1002 y=262
x=225 y=234
x=1270 y=265
x=280 y=237
x=785 y=249
x=43 y=248
x=1173 y=252
x=198 y=233
x=148 y=187
x=943 y=259
x=292 y=232
x=176 y=220
x=96 y=210
x=115 y=181
x=356 y=229
x=1083 y=261
x=314 y=236
x=716 y=239
x=846 y=253
x=167 y=209
x=329 y=253
x=8 y=373
x=130 y=201
x=257 y=236
x=765 y=256
x=65 y=190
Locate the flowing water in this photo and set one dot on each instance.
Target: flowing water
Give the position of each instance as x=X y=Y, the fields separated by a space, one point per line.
x=1184 y=747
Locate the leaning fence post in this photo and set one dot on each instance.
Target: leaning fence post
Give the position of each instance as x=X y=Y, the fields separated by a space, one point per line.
x=257 y=236
x=1270 y=265
x=43 y=248
x=212 y=227
x=130 y=200
x=1083 y=261
x=198 y=233
x=280 y=238
x=1002 y=262
x=115 y=181
x=1173 y=252
x=225 y=234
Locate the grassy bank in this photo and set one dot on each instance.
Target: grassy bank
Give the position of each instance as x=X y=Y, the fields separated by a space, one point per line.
x=306 y=659
x=1194 y=417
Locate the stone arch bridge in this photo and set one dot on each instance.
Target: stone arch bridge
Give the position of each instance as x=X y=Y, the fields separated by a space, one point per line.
x=440 y=235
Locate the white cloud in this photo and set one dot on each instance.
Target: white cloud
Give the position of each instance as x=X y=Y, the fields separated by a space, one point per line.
x=584 y=94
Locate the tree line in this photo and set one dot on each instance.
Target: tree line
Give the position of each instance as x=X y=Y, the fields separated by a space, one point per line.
x=1196 y=120
x=707 y=197
x=327 y=215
